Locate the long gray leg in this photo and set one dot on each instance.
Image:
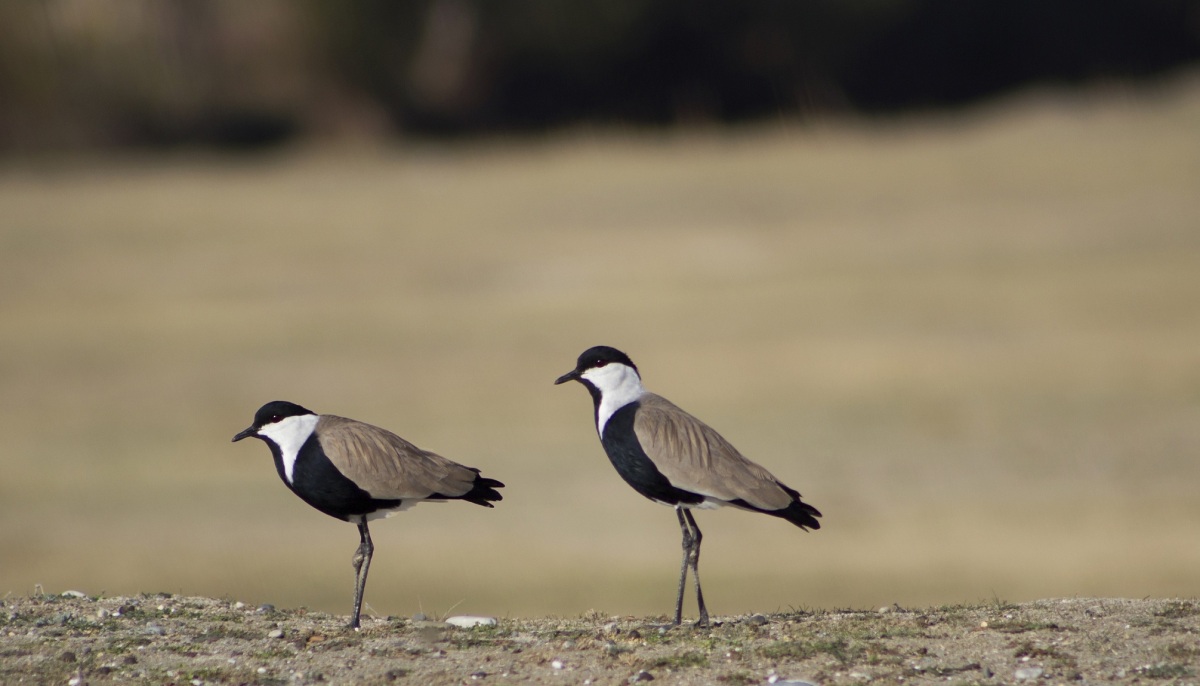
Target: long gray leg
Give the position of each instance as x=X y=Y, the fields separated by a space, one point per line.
x=694 y=558
x=362 y=563
x=683 y=567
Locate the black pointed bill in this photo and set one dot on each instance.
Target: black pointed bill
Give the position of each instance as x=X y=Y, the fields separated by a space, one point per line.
x=245 y=434
x=572 y=375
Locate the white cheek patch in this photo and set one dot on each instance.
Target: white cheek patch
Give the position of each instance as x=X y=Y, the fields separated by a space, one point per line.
x=619 y=385
x=289 y=434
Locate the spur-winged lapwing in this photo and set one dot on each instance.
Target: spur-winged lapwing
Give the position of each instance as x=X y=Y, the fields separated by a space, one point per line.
x=674 y=459
x=358 y=472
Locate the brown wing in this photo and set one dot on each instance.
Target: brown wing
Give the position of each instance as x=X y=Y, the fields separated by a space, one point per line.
x=696 y=458
x=387 y=466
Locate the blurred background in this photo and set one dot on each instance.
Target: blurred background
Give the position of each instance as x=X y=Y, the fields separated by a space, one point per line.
x=935 y=264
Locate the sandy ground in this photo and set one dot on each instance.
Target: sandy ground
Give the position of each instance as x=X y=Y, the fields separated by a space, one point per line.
x=160 y=639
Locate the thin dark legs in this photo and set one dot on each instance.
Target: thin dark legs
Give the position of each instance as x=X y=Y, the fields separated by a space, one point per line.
x=362 y=563
x=691 y=558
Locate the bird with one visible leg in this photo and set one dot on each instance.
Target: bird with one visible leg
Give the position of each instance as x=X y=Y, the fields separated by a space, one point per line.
x=357 y=472
x=674 y=459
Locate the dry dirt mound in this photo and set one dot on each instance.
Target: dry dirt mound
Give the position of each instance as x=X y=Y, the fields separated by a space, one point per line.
x=162 y=639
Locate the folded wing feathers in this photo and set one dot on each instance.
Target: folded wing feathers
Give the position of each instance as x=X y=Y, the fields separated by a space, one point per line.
x=696 y=458
x=387 y=466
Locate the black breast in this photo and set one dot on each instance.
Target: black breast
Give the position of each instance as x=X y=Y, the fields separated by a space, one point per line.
x=635 y=467
x=320 y=484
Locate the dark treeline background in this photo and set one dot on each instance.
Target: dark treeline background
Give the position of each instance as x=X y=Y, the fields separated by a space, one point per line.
x=231 y=73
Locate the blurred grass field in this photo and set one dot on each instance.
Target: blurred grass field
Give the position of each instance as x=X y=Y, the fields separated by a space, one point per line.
x=972 y=340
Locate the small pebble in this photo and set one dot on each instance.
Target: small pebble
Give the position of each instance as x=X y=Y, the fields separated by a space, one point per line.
x=77 y=680
x=155 y=630
x=68 y=656
x=74 y=594
x=266 y=608
x=420 y=617
x=102 y=614
x=1026 y=673
x=129 y=660
x=239 y=605
x=757 y=620
x=641 y=676
x=262 y=670
x=557 y=664
x=478 y=675
x=278 y=633
x=467 y=621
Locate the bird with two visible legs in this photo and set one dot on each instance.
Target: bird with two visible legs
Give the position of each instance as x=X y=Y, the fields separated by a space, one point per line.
x=357 y=472
x=674 y=459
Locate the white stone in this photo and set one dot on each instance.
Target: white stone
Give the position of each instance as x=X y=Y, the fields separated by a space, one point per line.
x=1026 y=673
x=468 y=621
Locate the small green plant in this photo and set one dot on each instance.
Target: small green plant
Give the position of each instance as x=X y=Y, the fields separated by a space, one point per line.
x=739 y=677
x=1178 y=610
x=838 y=648
x=272 y=654
x=1020 y=626
x=214 y=674
x=1182 y=651
x=684 y=660
x=1030 y=650
x=1165 y=671
x=480 y=635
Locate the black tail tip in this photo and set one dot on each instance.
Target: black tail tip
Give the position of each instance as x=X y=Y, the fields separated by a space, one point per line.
x=484 y=492
x=802 y=515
